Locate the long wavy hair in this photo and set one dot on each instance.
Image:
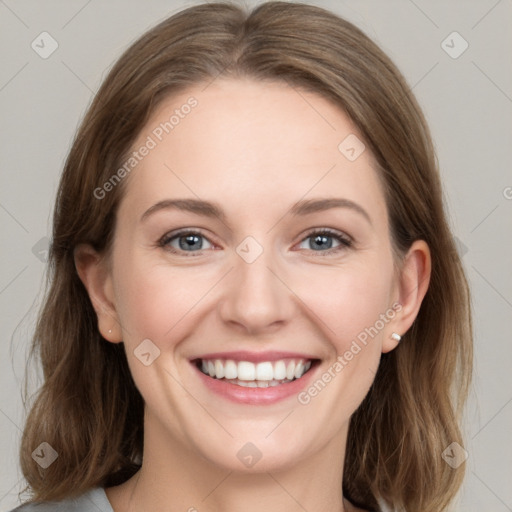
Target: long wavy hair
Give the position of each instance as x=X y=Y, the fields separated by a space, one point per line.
x=88 y=407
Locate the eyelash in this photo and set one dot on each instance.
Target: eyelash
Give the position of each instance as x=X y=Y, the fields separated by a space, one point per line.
x=345 y=241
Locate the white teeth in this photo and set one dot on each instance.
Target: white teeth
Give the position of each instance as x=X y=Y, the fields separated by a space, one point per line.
x=211 y=368
x=299 y=369
x=246 y=370
x=264 y=374
x=230 y=369
x=264 y=371
x=290 y=370
x=258 y=383
x=279 y=370
x=219 y=369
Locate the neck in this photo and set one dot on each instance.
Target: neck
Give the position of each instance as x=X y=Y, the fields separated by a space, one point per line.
x=176 y=477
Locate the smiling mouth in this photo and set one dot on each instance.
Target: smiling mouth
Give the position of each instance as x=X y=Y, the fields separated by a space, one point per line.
x=255 y=375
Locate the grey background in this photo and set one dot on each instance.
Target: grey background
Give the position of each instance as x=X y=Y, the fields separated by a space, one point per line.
x=467 y=102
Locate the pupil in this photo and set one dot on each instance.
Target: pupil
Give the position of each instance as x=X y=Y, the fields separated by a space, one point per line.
x=190 y=240
x=321 y=241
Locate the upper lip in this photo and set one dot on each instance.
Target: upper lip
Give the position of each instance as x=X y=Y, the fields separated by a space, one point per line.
x=255 y=357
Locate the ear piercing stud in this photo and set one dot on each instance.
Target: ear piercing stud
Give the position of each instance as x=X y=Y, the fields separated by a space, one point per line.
x=396 y=336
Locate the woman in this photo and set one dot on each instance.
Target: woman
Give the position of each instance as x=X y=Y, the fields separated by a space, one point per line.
x=255 y=298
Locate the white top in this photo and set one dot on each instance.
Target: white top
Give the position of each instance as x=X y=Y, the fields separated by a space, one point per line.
x=94 y=500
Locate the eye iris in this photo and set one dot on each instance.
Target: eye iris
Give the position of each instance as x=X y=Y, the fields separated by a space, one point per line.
x=189 y=241
x=322 y=241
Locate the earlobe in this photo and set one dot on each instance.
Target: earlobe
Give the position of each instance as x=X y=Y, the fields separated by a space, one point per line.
x=413 y=284
x=391 y=342
x=96 y=278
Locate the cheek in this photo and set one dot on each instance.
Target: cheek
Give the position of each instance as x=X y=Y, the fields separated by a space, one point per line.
x=154 y=300
x=348 y=299
x=351 y=313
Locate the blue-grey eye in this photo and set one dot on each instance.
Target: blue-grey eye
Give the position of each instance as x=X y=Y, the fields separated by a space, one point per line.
x=322 y=241
x=188 y=241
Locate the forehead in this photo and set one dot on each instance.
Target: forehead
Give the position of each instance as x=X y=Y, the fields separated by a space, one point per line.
x=243 y=141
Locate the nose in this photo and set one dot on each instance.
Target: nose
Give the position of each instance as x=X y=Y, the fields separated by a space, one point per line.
x=257 y=299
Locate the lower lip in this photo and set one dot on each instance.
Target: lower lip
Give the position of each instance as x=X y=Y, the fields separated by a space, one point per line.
x=255 y=396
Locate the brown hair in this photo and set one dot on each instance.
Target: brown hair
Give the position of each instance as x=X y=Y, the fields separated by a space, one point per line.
x=88 y=408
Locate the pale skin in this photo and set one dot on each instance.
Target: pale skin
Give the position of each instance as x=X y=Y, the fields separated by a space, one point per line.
x=255 y=149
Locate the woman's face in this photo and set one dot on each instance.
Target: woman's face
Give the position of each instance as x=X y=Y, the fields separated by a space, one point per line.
x=251 y=244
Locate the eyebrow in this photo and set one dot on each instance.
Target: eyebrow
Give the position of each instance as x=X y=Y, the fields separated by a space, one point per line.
x=210 y=209
x=307 y=206
x=197 y=206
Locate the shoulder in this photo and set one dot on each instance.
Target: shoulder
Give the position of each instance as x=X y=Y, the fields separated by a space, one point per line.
x=94 y=500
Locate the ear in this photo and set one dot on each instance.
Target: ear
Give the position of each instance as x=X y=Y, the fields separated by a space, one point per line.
x=413 y=282
x=96 y=277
